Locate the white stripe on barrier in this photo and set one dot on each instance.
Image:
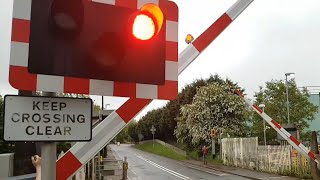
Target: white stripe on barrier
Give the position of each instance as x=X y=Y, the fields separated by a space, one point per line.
x=171 y=71
x=105 y=127
x=102 y=138
x=101 y=87
x=147 y=91
x=285 y=132
x=304 y=148
x=237 y=8
x=50 y=83
x=266 y=117
x=187 y=56
x=22 y=9
x=172 y=31
x=112 y=2
x=19 y=54
x=143 y=2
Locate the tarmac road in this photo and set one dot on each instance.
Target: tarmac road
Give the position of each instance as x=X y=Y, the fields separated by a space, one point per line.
x=146 y=166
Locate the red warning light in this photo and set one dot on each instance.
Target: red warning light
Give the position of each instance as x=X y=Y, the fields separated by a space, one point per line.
x=148 y=22
x=144 y=28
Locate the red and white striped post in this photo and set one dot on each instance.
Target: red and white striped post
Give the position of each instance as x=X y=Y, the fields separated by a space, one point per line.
x=82 y=152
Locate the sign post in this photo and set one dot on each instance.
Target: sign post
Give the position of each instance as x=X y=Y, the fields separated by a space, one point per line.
x=48 y=154
x=48 y=160
x=153 y=131
x=213 y=134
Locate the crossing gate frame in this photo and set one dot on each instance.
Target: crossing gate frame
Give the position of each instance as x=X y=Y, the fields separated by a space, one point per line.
x=21 y=79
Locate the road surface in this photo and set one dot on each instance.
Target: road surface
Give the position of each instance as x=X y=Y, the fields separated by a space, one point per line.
x=146 y=166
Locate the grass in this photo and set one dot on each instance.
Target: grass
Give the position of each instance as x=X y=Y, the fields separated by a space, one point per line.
x=160 y=150
x=194 y=155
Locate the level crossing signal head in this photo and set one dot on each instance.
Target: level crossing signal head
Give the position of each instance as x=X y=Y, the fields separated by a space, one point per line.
x=148 y=22
x=85 y=39
x=112 y=48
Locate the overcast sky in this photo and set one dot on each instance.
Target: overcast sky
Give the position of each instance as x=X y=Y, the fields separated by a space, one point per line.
x=268 y=39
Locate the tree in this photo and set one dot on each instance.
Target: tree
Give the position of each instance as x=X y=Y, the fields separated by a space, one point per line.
x=275 y=99
x=214 y=106
x=123 y=135
x=133 y=131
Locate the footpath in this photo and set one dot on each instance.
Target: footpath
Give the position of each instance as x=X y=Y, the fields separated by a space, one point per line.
x=246 y=173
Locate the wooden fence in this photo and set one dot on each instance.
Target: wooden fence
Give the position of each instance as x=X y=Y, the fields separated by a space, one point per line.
x=246 y=153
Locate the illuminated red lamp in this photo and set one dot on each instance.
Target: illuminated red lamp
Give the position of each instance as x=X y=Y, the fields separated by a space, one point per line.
x=147 y=22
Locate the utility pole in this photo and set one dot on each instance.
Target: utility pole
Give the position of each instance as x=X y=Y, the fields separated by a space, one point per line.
x=287 y=92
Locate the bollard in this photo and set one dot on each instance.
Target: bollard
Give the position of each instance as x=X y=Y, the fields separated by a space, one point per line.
x=125 y=169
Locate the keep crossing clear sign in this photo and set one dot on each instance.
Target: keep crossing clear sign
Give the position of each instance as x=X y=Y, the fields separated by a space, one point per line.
x=47 y=119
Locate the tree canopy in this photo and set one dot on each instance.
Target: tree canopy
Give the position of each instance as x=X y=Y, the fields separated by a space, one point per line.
x=274 y=96
x=165 y=119
x=214 y=106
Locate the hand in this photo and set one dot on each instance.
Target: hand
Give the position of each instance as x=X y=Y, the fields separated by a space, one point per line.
x=36 y=161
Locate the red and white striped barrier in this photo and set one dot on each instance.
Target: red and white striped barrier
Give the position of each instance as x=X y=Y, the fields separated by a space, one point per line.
x=194 y=49
x=280 y=130
x=82 y=152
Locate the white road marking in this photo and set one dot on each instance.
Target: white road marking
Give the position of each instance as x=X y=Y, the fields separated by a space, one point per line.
x=273 y=177
x=210 y=172
x=164 y=169
x=134 y=178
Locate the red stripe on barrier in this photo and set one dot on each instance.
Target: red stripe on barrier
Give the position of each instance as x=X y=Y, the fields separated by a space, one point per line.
x=124 y=89
x=76 y=85
x=172 y=51
x=127 y=3
x=20 y=30
x=168 y=91
x=66 y=166
x=212 y=32
x=295 y=140
x=257 y=108
x=170 y=9
x=276 y=124
x=311 y=155
x=131 y=108
x=20 y=78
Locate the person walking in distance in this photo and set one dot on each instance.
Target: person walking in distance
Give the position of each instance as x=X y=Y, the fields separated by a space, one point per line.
x=205 y=154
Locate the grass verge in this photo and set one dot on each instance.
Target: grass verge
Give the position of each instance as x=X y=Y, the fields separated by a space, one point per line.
x=195 y=156
x=160 y=150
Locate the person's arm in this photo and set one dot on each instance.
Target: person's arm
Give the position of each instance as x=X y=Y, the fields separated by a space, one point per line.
x=36 y=161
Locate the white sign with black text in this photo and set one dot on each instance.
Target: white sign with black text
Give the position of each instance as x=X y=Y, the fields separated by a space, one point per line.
x=47 y=119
